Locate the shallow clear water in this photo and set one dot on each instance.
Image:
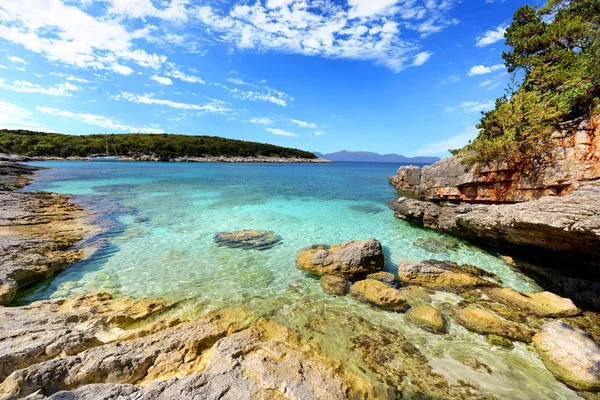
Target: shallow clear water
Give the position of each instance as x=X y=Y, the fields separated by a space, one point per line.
x=159 y=220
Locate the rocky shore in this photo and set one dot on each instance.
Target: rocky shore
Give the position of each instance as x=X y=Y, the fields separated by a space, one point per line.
x=151 y=157
x=542 y=210
x=103 y=346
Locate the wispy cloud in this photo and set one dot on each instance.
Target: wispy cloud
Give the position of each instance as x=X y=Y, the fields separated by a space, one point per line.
x=212 y=107
x=491 y=36
x=262 y=93
x=62 y=89
x=16 y=117
x=472 y=106
x=303 y=124
x=449 y=80
x=17 y=60
x=96 y=120
x=280 y=132
x=261 y=121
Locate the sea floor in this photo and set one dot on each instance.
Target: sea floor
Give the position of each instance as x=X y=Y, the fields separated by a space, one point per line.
x=157 y=224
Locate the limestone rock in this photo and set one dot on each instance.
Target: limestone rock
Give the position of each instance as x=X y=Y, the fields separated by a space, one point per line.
x=379 y=294
x=335 y=285
x=440 y=275
x=248 y=239
x=478 y=320
x=437 y=245
x=426 y=317
x=386 y=277
x=542 y=304
x=570 y=355
x=48 y=329
x=216 y=357
x=352 y=259
x=415 y=295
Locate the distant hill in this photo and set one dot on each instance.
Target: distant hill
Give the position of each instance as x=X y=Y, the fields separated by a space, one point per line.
x=163 y=146
x=366 y=156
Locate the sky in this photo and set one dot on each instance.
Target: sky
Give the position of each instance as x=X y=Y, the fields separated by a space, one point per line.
x=408 y=77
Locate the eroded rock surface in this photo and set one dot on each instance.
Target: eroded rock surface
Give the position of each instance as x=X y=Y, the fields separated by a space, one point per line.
x=248 y=239
x=379 y=294
x=571 y=355
x=36 y=232
x=353 y=259
x=426 y=317
x=336 y=285
x=443 y=275
x=542 y=304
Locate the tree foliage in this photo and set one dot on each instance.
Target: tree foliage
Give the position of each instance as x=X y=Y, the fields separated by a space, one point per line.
x=164 y=146
x=555 y=50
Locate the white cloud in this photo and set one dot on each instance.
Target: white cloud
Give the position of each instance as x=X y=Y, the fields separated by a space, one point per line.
x=261 y=121
x=162 y=80
x=69 y=78
x=303 y=124
x=15 y=117
x=472 y=106
x=359 y=30
x=485 y=83
x=482 y=69
x=319 y=133
x=280 y=132
x=96 y=120
x=421 y=58
x=213 y=107
x=62 y=89
x=175 y=73
x=455 y=142
x=265 y=93
x=491 y=37
x=66 y=34
x=174 y=10
x=17 y=60
x=449 y=80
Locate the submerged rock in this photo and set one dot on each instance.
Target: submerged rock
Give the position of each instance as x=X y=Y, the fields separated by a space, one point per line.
x=386 y=277
x=437 y=245
x=352 y=259
x=379 y=294
x=427 y=317
x=442 y=275
x=542 y=304
x=570 y=354
x=415 y=295
x=248 y=239
x=479 y=320
x=335 y=285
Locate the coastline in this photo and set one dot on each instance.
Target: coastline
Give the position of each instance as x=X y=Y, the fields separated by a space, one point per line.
x=265 y=160
x=112 y=346
x=37 y=231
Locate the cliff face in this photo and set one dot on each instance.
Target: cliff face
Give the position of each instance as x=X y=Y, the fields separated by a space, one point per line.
x=572 y=161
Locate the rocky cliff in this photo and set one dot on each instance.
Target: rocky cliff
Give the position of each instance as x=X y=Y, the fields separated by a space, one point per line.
x=544 y=210
x=571 y=161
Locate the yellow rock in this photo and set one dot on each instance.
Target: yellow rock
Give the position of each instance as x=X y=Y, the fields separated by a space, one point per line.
x=542 y=304
x=427 y=317
x=379 y=294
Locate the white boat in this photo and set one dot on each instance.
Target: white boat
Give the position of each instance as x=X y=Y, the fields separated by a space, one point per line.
x=107 y=157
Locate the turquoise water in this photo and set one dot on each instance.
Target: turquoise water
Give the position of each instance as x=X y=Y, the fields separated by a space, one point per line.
x=158 y=221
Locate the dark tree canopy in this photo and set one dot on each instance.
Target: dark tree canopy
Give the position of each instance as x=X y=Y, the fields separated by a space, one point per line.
x=555 y=51
x=164 y=146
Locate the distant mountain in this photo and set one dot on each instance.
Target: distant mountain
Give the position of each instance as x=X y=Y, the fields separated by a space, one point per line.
x=366 y=156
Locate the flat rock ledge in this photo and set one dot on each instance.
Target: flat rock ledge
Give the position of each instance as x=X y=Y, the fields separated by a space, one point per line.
x=37 y=231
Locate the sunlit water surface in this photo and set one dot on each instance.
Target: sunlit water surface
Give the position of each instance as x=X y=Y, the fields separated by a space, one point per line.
x=158 y=221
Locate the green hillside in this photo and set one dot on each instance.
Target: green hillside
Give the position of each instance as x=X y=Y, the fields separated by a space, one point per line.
x=165 y=146
x=554 y=57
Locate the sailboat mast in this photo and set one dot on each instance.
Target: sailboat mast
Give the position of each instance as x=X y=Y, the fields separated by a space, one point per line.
x=106 y=139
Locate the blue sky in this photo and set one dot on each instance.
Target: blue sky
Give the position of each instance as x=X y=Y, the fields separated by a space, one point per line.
x=408 y=76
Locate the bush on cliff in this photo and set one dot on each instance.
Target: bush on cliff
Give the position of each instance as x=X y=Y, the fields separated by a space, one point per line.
x=555 y=51
x=164 y=146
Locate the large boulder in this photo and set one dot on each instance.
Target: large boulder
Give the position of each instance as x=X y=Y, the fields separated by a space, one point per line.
x=542 y=304
x=482 y=321
x=442 y=275
x=248 y=239
x=352 y=259
x=426 y=317
x=570 y=354
x=379 y=294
